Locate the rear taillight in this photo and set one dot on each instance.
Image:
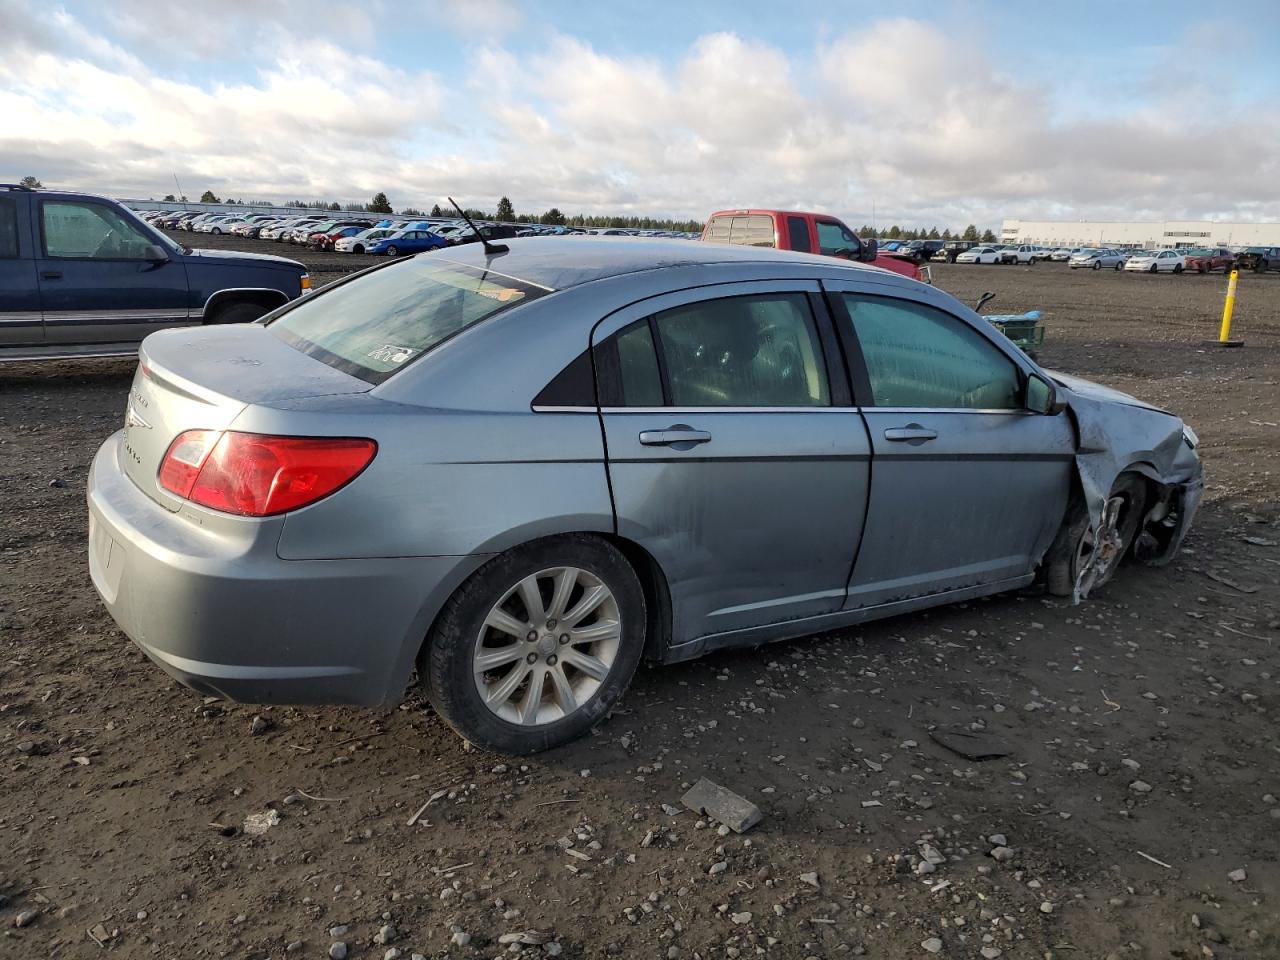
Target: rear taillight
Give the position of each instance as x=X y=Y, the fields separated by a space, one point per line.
x=255 y=475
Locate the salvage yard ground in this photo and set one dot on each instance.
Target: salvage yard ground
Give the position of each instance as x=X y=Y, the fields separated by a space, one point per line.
x=1138 y=805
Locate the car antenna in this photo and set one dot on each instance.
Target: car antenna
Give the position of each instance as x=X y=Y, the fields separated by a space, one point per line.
x=490 y=248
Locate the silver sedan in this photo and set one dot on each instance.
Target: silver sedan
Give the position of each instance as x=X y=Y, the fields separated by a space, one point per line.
x=517 y=472
x=1095 y=258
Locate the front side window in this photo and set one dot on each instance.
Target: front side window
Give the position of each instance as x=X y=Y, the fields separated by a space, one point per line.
x=8 y=228
x=753 y=351
x=835 y=240
x=918 y=356
x=377 y=325
x=90 y=230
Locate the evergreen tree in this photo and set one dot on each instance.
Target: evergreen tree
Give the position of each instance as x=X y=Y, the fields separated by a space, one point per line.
x=436 y=211
x=970 y=233
x=209 y=197
x=31 y=183
x=553 y=217
x=988 y=236
x=506 y=212
x=380 y=203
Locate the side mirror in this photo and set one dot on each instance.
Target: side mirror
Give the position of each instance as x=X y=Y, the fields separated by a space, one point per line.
x=154 y=253
x=869 y=250
x=1041 y=396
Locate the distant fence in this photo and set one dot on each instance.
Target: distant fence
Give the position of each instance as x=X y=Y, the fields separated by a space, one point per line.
x=248 y=209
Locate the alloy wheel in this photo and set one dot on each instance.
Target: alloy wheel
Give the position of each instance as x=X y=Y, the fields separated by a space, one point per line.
x=547 y=646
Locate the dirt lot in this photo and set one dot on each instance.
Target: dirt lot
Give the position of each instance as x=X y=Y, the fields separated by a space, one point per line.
x=1144 y=771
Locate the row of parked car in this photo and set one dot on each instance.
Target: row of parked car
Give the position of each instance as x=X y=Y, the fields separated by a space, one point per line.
x=390 y=236
x=1196 y=260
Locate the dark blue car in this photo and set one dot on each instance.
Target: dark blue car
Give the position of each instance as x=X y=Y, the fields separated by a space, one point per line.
x=407 y=241
x=83 y=276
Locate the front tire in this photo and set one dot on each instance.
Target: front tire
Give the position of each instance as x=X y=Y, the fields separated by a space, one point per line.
x=237 y=313
x=1154 y=269
x=1177 y=268
x=1068 y=556
x=392 y=252
x=537 y=645
x=1097 y=264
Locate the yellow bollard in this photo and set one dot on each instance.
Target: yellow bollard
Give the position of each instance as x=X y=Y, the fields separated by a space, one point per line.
x=1228 y=307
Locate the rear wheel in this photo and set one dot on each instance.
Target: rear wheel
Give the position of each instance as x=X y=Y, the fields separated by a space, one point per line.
x=536 y=647
x=1119 y=264
x=1079 y=556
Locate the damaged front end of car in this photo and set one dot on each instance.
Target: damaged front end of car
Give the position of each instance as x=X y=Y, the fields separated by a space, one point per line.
x=1118 y=434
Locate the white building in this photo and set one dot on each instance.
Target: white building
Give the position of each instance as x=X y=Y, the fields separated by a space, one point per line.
x=1140 y=233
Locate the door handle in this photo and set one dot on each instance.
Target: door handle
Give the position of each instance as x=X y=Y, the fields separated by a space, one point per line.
x=674 y=436
x=50 y=274
x=912 y=433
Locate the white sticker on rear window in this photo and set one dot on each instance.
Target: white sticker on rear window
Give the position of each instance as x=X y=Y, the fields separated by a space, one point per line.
x=390 y=353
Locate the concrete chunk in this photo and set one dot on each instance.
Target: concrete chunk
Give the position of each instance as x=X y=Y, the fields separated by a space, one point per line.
x=735 y=812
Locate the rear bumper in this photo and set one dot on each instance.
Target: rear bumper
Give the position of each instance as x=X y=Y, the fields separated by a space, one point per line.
x=222 y=613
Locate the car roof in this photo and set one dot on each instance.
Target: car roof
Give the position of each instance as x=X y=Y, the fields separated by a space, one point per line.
x=561 y=262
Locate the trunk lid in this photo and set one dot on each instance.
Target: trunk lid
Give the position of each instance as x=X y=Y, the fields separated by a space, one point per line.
x=201 y=379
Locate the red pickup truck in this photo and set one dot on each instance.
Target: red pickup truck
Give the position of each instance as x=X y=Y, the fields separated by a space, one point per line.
x=803 y=232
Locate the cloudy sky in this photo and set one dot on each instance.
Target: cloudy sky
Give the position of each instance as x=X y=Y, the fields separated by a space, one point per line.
x=966 y=111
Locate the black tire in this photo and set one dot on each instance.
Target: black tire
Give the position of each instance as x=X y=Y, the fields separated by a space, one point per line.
x=1177 y=268
x=1063 y=560
x=392 y=252
x=239 y=312
x=447 y=659
x=1097 y=265
x=1119 y=264
x=1261 y=266
x=1154 y=269
x=358 y=248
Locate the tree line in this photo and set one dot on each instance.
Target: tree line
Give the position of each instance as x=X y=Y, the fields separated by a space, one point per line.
x=505 y=212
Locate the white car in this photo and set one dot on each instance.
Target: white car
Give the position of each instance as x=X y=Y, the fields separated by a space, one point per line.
x=979 y=255
x=218 y=225
x=360 y=241
x=1151 y=261
x=1063 y=254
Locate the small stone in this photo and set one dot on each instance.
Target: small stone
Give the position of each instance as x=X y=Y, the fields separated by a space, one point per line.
x=1238 y=876
x=720 y=867
x=741 y=918
x=57 y=483
x=460 y=939
x=1140 y=786
x=1046 y=907
x=338 y=951
x=386 y=933
x=259 y=726
x=294 y=947
x=925 y=867
x=932 y=945
x=26 y=918
x=735 y=812
x=552 y=949
x=998 y=840
x=392 y=953
x=990 y=953
x=1001 y=854
x=337 y=931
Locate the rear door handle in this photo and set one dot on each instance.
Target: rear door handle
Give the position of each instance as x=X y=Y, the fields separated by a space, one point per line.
x=50 y=274
x=912 y=433
x=678 y=435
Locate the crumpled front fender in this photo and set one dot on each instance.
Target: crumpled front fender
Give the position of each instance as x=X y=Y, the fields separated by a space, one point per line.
x=1115 y=438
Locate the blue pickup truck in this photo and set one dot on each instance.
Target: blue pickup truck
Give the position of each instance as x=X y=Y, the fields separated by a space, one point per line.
x=83 y=276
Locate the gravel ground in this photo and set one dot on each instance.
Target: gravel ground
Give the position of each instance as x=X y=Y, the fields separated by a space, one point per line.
x=1136 y=816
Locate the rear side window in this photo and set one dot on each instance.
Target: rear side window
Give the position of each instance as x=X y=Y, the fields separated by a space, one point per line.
x=798 y=234
x=917 y=356
x=375 y=326
x=8 y=228
x=628 y=369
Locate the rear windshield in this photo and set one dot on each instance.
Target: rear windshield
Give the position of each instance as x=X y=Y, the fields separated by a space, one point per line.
x=375 y=326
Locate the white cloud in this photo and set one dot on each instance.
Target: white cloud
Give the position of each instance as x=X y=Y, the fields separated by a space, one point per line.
x=728 y=121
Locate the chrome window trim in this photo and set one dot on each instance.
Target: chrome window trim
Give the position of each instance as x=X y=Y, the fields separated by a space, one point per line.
x=826 y=409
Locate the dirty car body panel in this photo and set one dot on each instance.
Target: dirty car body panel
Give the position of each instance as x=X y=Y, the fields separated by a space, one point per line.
x=742 y=423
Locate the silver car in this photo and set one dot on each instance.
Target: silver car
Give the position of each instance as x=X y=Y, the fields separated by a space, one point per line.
x=1095 y=258
x=519 y=473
